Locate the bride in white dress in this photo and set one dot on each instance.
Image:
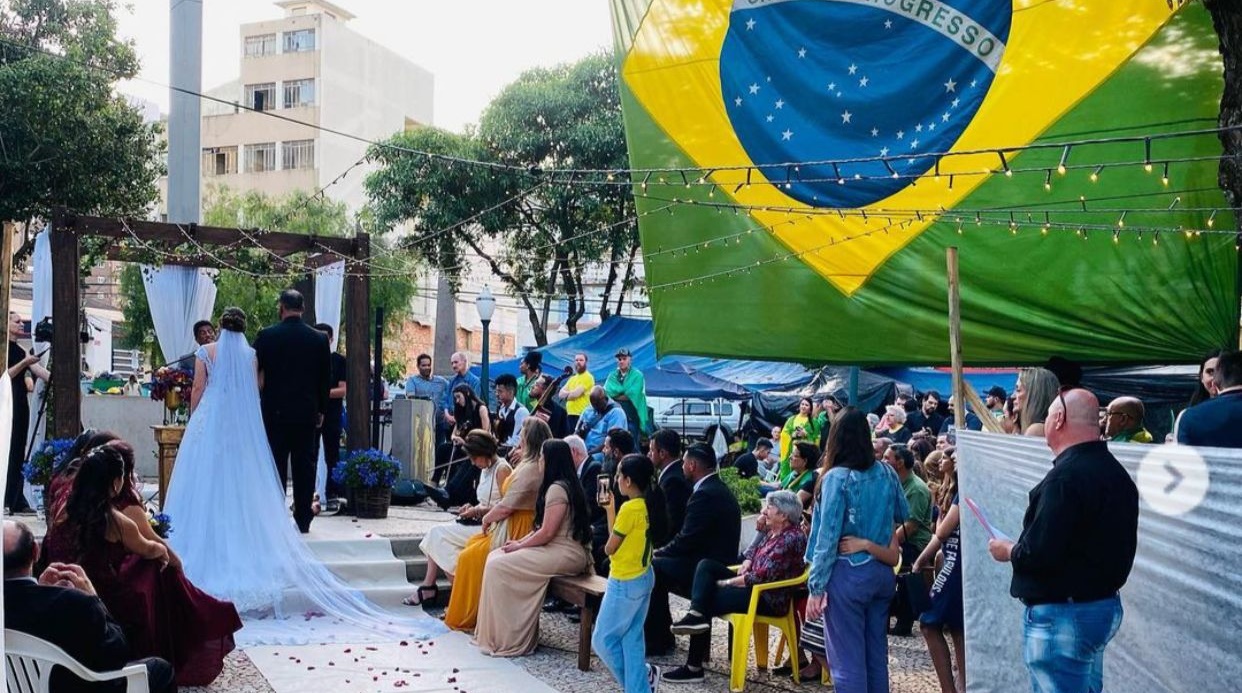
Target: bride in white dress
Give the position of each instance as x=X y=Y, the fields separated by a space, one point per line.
x=235 y=538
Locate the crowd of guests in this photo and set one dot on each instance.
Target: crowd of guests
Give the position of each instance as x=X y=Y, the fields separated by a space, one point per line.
x=109 y=589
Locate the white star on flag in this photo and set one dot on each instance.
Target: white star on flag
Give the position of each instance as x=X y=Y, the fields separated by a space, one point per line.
x=884 y=151
x=950 y=85
x=956 y=102
x=875 y=132
x=754 y=88
x=770 y=117
x=853 y=69
x=832 y=86
x=780 y=103
x=888 y=24
x=918 y=127
x=737 y=101
x=750 y=24
x=974 y=83
x=944 y=118
x=901 y=134
x=931 y=126
x=801 y=52
x=863 y=82
x=787 y=134
x=845 y=117
x=914 y=144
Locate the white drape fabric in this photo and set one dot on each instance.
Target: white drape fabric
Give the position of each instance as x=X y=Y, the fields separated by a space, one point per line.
x=1182 y=603
x=234 y=533
x=40 y=308
x=329 y=288
x=178 y=298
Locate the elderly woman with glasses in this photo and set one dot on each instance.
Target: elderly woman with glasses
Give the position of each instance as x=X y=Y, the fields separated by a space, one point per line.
x=719 y=590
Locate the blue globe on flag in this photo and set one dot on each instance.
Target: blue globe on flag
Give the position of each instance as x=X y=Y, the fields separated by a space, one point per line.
x=868 y=87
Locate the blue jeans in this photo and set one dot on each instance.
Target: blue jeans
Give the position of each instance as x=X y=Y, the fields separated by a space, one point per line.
x=856 y=626
x=618 y=637
x=1064 y=644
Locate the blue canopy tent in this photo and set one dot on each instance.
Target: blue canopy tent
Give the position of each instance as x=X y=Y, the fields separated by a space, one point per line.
x=601 y=344
x=941 y=379
x=676 y=379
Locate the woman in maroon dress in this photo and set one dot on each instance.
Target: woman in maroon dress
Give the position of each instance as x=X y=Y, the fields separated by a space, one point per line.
x=162 y=614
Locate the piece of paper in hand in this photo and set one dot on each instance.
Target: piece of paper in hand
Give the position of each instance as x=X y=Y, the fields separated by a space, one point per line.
x=982 y=516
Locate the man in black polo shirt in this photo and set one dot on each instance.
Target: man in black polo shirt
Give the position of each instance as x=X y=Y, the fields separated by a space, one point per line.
x=1075 y=552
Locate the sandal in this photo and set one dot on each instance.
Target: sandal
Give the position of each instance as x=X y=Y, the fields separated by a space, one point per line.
x=315 y=506
x=422 y=595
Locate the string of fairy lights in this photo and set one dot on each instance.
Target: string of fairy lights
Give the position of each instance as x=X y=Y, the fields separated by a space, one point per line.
x=652 y=186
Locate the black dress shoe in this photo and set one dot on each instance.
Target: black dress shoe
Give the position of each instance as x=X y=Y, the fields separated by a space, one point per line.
x=438 y=496
x=552 y=605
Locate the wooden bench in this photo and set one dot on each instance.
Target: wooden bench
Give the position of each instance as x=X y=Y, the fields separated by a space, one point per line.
x=586 y=592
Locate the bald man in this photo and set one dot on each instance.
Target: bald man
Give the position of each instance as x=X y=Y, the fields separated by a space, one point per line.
x=1075 y=551
x=1125 y=421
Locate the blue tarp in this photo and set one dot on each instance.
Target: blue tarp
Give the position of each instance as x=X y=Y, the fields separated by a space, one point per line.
x=601 y=345
x=941 y=379
x=676 y=379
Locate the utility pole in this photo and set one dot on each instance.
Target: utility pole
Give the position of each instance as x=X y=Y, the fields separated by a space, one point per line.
x=185 y=53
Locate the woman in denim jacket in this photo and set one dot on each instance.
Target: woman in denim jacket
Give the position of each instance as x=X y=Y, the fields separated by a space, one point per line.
x=861 y=498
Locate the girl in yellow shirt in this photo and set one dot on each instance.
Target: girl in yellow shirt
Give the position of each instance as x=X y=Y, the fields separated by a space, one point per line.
x=634 y=531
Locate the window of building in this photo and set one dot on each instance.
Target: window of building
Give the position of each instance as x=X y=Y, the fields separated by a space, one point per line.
x=297 y=154
x=263 y=44
x=299 y=92
x=261 y=157
x=261 y=97
x=300 y=40
x=219 y=161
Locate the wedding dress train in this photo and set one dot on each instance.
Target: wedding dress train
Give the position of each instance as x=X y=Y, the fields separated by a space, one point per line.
x=236 y=539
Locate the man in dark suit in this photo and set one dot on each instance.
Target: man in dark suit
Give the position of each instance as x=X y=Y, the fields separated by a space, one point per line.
x=712 y=530
x=1217 y=421
x=665 y=451
x=61 y=608
x=589 y=470
x=294 y=370
x=330 y=432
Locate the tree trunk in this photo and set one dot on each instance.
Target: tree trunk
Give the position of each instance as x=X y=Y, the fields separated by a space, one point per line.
x=613 y=260
x=628 y=282
x=1227 y=18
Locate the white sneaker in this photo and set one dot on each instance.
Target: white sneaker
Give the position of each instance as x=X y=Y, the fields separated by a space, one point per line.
x=653 y=677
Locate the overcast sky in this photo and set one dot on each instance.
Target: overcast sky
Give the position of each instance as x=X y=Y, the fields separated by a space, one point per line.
x=474 y=47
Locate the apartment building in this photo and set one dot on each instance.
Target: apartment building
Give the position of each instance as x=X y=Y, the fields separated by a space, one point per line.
x=308 y=67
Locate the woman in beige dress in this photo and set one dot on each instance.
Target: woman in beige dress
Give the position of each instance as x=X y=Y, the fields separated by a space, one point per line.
x=515 y=580
x=512 y=518
x=443 y=543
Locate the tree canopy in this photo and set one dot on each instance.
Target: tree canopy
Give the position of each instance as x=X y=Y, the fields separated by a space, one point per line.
x=540 y=239
x=67 y=138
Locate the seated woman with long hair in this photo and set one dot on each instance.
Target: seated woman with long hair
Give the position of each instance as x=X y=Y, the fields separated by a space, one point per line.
x=512 y=518
x=162 y=614
x=444 y=542
x=61 y=483
x=515 y=580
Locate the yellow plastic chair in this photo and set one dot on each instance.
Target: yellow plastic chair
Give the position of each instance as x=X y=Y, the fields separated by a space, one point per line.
x=742 y=626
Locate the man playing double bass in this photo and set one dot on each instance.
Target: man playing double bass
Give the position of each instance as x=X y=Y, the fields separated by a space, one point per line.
x=627 y=388
x=543 y=393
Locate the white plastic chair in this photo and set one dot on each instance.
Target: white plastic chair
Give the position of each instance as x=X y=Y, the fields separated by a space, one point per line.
x=30 y=660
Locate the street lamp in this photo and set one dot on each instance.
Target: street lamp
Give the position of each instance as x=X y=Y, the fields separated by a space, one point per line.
x=486 y=306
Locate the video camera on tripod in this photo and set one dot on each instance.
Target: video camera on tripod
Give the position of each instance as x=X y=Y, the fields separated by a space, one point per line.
x=43 y=332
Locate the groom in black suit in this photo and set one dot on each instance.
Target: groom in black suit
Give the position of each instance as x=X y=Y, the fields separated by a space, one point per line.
x=294 y=370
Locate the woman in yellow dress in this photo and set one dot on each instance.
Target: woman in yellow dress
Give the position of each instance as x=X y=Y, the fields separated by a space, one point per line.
x=511 y=519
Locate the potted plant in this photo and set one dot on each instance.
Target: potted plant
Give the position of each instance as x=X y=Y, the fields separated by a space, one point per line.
x=369 y=476
x=38 y=469
x=746 y=491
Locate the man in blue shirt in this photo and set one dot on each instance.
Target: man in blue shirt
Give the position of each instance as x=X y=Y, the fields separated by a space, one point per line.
x=1217 y=422
x=602 y=416
x=430 y=387
x=461 y=375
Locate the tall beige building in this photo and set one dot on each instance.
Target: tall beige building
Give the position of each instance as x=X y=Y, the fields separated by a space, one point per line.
x=308 y=66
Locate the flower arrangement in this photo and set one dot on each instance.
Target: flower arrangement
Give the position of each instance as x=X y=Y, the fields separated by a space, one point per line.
x=367 y=469
x=172 y=386
x=161 y=524
x=38 y=469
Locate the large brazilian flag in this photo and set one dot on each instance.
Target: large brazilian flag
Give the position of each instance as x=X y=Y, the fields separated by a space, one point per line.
x=815 y=162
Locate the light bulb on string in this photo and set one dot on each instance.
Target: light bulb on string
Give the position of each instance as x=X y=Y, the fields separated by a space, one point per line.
x=1176 y=201
x=1211 y=219
x=1121 y=223
x=1064 y=158
x=646 y=178
x=1004 y=164
x=1048 y=180
x=836 y=171
x=1164 y=175
x=1095 y=175
x=1116 y=236
x=890 y=168
x=1082 y=200
x=1147 y=154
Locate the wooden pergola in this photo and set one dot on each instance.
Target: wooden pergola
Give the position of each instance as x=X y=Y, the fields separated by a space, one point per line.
x=67 y=230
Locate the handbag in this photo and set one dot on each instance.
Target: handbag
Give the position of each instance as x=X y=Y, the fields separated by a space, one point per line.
x=918 y=591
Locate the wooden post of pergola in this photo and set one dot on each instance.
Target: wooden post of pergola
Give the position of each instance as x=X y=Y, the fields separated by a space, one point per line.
x=67 y=230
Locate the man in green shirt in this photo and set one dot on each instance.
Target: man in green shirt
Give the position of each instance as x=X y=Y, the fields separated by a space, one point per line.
x=914 y=534
x=531 y=368
x=1124 y=422
x=626 y=387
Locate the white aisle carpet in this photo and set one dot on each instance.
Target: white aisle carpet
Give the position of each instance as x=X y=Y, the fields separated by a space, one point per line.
x=449 y=664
